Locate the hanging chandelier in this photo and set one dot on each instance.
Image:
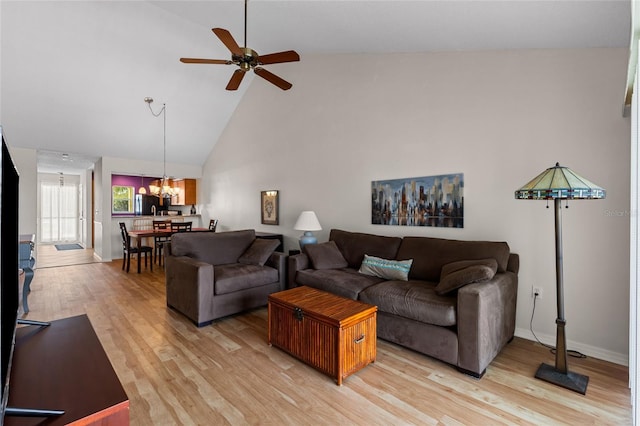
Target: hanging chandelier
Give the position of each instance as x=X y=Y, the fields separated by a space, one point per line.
x=165 y=189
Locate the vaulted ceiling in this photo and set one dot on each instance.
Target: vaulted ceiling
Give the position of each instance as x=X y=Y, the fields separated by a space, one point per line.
x=73 y=74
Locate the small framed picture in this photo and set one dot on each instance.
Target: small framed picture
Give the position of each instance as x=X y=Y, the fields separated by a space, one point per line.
x=269 y=210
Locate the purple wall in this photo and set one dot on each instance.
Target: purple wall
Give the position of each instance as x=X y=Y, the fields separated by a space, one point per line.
x=135 y=181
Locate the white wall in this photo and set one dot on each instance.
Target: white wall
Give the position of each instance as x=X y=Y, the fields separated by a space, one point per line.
x=26 y=163
x=1 y=64
x=634 y=249
x=86 y=224
x=98 y=217
x=498 y=117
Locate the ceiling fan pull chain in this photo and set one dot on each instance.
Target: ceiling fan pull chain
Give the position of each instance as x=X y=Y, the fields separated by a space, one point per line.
x=245 y=24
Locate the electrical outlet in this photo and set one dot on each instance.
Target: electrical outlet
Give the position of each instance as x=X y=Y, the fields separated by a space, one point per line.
x=536 y=291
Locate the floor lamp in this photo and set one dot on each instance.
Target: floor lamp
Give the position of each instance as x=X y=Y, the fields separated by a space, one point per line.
x=560 y=183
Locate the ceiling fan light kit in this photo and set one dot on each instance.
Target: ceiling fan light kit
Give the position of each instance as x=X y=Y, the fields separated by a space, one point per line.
x=247 y=59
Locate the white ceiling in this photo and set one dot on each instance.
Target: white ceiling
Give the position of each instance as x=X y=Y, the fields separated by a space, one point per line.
x=73 y=75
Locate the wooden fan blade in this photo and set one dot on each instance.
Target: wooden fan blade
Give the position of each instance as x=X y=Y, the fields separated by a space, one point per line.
x=236 y=79
x=276 y=58
x=272 y=78
x=227 y=39
x=205 y=61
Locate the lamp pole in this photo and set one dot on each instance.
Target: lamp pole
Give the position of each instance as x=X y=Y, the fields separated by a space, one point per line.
x=560 y=374
x=561 y=340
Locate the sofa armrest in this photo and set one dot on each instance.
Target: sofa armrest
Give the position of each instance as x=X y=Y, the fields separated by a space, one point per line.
x=296 y=263
x=514 y=263
x=486 y=320
x=278 y=261
x=189 y=285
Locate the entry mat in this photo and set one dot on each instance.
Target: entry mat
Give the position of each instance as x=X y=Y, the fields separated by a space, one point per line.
x=68 y=246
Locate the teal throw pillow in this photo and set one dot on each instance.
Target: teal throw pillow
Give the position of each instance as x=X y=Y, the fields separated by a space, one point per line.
x=387 y=269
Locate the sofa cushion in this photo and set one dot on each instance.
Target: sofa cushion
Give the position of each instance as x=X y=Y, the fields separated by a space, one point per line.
x=431 y=254
x=384 y=268
x=343 y=282
x=259 y=251
x=354 y=245
x=238 y=276
x=458 y=274
x=215 y=248
x=416 y=300
x=325 y=256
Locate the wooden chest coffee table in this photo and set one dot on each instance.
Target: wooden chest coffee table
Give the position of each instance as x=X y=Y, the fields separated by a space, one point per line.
x=334 y=334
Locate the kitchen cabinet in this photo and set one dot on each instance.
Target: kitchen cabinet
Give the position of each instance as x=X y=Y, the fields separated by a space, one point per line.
x=187 y=191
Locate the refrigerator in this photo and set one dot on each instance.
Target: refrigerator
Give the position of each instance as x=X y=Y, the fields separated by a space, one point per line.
x=144 y=203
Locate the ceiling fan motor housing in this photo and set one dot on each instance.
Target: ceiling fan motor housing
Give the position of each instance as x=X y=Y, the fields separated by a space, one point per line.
x=248 y=61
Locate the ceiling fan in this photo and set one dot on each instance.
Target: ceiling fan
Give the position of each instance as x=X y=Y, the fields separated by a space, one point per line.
x=247 y=59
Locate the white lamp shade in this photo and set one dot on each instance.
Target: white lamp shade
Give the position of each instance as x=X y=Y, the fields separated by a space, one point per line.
x=307 y=221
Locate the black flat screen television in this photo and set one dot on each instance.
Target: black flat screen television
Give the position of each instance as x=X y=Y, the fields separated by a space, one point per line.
x=9 y=288
x=9 y=283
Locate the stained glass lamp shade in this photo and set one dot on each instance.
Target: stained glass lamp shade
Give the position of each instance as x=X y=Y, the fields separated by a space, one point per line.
x=560 y=183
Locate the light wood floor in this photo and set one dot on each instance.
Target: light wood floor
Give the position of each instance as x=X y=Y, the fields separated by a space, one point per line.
x=176 y=374
x=48 y=256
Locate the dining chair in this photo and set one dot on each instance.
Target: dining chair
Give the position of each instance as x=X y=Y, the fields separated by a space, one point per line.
x=127 y=249
x=213 y=224
x=159 y=241
x=180 y=226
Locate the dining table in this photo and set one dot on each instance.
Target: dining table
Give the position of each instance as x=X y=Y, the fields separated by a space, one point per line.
x=140 y=234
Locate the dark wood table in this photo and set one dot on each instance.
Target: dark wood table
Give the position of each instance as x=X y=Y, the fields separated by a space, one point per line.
x=64 y=367
x=146 y=233
x=138 y=235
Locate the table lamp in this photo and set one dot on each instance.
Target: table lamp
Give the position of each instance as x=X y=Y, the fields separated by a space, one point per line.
x=307 y=222
x=560 y=183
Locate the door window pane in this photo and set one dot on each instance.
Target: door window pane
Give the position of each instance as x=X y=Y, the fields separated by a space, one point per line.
x=58 y=212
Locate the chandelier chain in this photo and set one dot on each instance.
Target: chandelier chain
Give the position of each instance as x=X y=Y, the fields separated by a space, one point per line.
x=164 y=135
x=164 y=185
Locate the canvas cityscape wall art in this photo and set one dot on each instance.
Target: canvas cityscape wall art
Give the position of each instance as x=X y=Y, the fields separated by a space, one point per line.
x=421 y=201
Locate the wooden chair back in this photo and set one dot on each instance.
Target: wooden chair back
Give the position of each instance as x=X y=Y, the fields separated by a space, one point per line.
x=161 y=224
x=180 y=226
x=125 y=236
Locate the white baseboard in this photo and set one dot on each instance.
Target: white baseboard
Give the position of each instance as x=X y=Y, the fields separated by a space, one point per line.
x=592 y=351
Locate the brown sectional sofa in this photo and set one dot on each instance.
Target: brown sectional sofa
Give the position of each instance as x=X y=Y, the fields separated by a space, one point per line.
x=466 y=327
x=211 y=275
